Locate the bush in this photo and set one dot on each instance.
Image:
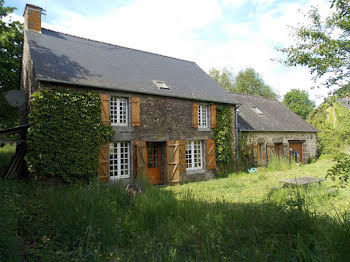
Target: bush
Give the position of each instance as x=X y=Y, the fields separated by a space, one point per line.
x=341 y=170
x=65 y=134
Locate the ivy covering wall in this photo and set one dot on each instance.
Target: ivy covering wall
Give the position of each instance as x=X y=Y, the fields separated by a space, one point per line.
x=223 y=135
x=333 y=120
x=65 y=134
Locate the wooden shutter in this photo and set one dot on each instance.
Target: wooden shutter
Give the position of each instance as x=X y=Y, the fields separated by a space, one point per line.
x=141 y=158
x=135 y=111
x=195 y=115
x=255 y=152
x=211 y=154
x=213 y=116
x=103 y=163
x=105 y=108
x=173 y=157
x=182 y=156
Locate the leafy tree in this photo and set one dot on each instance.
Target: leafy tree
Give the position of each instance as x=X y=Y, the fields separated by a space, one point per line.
x=11 y=39
x=247 y=81
x=225 y=78
x=298 y=101
x=323 y=45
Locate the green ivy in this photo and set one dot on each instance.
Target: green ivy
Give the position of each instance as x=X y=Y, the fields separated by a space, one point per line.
x=332 y=119
x=65 y=134
x=223 y=135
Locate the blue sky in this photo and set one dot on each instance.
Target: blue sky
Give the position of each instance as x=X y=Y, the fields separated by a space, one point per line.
x=214 y=33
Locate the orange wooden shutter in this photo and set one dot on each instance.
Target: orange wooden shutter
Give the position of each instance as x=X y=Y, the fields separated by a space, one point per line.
x=105 y=108
x=103 y=163
x=141 y=158
x=211 y=154
x=173 y=159
x=195 y=115
x=255 y=152
x=135 y=111
x=213 y=116
x=182 y=156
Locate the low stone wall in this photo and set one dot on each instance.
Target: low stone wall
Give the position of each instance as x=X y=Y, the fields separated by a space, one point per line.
x=308 y=139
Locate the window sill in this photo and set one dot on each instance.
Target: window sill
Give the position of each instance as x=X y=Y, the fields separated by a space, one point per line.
x=122 y=128
x=195 y=171
x=205 y=129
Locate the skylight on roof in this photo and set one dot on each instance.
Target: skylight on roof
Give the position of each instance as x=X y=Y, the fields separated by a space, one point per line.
x=160 y=84
x=257 y=110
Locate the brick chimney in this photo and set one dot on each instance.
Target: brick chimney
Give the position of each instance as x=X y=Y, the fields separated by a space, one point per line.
x=32 y=18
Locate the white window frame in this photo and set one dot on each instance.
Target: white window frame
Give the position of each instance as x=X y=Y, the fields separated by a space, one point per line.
x=118 y=114
x=115 y=169
x=191 y=143
x=201 y=108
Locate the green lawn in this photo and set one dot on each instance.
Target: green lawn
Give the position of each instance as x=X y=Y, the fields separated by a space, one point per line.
x=265 y=186
x=239 y=218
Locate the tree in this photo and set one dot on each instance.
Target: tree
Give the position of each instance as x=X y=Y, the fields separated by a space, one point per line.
x=323 y=45
x=247 y=81
x=11 y=39
x=298 y=101
x=225 y=78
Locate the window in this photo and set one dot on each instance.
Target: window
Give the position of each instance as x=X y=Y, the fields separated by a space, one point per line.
x=257 y=110
x=119 y=154
x=119 y=111
x=194 y=155
x=203 y=116
x=160 y=84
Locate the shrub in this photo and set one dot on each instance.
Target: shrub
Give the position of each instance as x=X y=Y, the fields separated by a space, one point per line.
x=279 y=163
x=341 y=170
x=65 y=134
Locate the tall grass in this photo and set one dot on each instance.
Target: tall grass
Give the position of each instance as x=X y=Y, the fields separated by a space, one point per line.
x=6 y=154
x=279 y=163
x=100 y=222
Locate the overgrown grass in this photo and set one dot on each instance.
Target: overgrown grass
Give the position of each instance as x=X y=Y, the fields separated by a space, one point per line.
x=6 y=154
x=240 y=218
x=100 y=222
x=279 y=164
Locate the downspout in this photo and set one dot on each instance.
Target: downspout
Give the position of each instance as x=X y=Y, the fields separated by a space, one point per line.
x=237 y=144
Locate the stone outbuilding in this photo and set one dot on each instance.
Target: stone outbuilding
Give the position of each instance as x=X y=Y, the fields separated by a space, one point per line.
x=272 y=128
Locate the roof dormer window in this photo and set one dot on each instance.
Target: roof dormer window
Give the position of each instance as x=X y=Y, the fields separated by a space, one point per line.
x=160 y=84
x=257 y=111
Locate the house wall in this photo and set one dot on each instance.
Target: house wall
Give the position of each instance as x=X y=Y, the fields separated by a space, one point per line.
x=162 y=119
x=309 y=145
x=29 y=84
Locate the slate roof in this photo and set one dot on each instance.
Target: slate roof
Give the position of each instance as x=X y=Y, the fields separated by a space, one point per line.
x=74 y=60
x=276 y=116
x=345 y=101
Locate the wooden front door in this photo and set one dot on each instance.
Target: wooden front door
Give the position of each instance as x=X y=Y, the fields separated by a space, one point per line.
x=153 y=163
x=297 y=146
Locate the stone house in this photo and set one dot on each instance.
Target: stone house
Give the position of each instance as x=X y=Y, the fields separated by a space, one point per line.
x=272 y=128
x=162 y=109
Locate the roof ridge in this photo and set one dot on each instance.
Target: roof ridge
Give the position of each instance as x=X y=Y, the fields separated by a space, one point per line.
x=258 y=96
x=101 y=42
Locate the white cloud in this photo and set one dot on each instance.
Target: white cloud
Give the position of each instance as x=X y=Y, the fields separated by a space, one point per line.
x=174 y=28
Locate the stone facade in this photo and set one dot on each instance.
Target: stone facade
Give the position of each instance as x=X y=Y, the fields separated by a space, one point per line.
x=308 y=140
x=162 y=119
